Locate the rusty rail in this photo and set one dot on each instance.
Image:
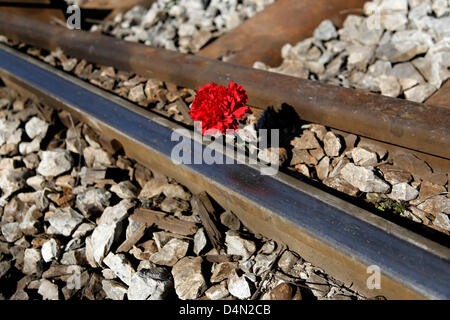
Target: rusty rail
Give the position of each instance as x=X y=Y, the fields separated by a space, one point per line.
x=339 y=237
x=412 y=125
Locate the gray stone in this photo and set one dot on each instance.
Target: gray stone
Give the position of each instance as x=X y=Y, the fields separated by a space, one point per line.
x=74 y=257
x=229 y=220
x=217 y=292
x=5 y=266
x=239 y=287
x=302 y=156
x=188 y=278
x=48 y=290
x=405 y=45
x=137 y=94
x=97 y=158
x=117 y=213
x=30 y=223
x=239 y=246
x=120 y=266
x=11 y=231
x=125 y=190
x=93 y=201
x=318 y=285
x=51 y=250
x=364 y=157
x=37 y=182
x=176 y=191
x=325 y=31
x=200 y=241
x=36 y=128
x=364 y=179
x=102 y=240
x=395 y=175
x=150 y=284
x=407 y=75
x=33 y=263
x=26 y=148
x=389 y=86
x=64 y=221
x=420 y=93
x=359 y=56
x=152 y=188
x=174 y=205
x=54 y=162
x=222 y=271
x=323 y=168
x=332 y=144
x=8 y=129
x=306 y=141
x=172 y=251
x=403 y=192
x=442 y=221
x=114 y=290
x=83 y=229
x=394 y=22
x=12 y=180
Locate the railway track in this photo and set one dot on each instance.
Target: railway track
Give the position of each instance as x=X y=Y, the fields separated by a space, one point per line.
x=340 y=237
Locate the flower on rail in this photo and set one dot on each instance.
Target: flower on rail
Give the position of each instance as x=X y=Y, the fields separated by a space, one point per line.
x=218 y=108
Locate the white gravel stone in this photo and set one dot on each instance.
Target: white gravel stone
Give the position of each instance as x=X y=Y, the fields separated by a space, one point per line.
x=97 y=158
x=403 y=192
x=239 y=287
x=50 y=250
x=114 y=290
x=30 y=147
x=7 y=130
x=188 y=278
x=239 y=246
x=64 y=221
x=29 y=224
x=150 y=284
x=12 y=180
x=420 y=93
x=48 y=290
x=32 y=261
x=200 y=241
x=93 y=201
x=217 y=292
x=363 y=157
x=125 y=190
x=83 y=229
x=172 y=251
x=364 y=179
x=325 y=31
x=332 y=144
x=11 y=231
x=54 y=162
x=120 y=266
x=36 y=128
x=36 y=182
x=442 y=220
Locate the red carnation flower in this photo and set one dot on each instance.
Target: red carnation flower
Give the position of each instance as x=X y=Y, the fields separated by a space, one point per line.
x=218 y=108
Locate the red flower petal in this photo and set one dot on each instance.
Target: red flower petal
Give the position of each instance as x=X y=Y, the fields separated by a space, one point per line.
x=218 y=108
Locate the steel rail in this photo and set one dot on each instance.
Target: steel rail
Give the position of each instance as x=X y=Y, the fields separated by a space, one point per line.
x=339 y=237
x=404 y=123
